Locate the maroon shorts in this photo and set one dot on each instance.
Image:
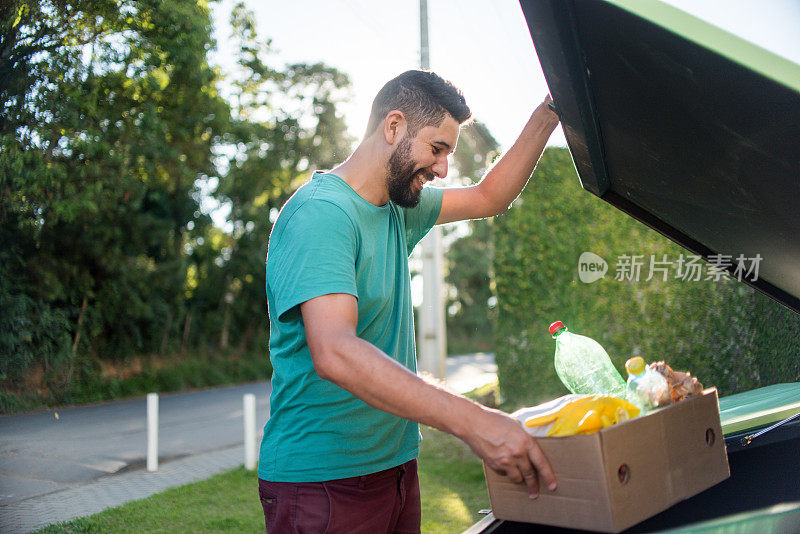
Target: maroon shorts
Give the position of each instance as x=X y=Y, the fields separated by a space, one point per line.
x=386 y=501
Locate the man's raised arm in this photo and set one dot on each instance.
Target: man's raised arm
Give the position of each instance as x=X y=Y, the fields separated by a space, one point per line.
x=506 y=179
x=348 y=361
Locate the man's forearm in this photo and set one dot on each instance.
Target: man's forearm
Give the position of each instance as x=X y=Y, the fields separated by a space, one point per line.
x=501 y=441
x=362 y=369
x=506 y=179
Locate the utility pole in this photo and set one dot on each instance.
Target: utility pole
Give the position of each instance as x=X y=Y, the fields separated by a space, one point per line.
x=433 y=345
x=424 y=56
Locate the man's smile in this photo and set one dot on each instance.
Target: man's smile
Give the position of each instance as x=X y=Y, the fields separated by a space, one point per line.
x=423 y=176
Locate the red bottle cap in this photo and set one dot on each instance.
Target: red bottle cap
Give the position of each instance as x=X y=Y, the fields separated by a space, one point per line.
x=555 y=327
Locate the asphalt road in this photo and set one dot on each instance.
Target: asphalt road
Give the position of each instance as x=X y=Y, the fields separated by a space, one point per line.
x=41 y=453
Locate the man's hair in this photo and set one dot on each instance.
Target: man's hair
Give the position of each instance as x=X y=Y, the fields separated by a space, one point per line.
x=423 y=96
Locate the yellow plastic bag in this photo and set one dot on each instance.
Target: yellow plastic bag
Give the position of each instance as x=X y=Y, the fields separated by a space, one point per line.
x=576 y=414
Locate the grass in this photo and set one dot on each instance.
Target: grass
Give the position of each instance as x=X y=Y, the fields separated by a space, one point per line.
x=224 y=503
x=451 y=481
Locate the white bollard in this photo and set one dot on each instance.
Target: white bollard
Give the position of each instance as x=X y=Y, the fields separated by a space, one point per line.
x=249 y=431
x=152 y=431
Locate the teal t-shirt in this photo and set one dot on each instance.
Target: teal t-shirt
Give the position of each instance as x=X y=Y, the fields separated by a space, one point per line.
x=328 y=239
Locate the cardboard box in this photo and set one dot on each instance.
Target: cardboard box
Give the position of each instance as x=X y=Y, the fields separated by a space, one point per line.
x=620 y=476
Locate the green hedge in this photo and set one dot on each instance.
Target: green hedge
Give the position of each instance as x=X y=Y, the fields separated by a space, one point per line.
x=723 y=332
x=191 y=372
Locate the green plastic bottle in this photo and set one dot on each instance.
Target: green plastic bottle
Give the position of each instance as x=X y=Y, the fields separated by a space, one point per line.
x=584 y=366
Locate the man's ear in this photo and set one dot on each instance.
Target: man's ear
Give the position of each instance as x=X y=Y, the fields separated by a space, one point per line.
x=394 y=126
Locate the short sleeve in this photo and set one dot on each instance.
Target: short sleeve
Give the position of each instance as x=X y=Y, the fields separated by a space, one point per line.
x=420 y=219
x=314 y=254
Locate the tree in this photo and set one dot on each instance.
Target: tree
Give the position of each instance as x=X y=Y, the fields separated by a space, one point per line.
x=100 y=161
x=38 y=49
x=114 y=138
x=285 y=123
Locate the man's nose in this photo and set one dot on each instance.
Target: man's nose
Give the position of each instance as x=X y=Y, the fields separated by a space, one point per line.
x=440 y=168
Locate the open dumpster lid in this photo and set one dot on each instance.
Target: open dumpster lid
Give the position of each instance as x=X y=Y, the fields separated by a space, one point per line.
x=688 y=128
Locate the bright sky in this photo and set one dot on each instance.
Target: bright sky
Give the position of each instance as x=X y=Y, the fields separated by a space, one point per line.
x=483 y=46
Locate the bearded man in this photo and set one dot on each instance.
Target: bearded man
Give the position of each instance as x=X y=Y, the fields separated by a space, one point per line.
x=340 y=447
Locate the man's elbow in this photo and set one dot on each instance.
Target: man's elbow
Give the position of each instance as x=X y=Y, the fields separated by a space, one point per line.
x=324 y=364
x=500 y=209
x=492 y=209
x=327 y=360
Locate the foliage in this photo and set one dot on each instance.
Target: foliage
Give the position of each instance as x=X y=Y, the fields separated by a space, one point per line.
x=721 y=331
x=469 y=303
x=451 y=483
x=468 y=259
x=114 y=141
x=195 y=372
x=140 y=376
x=776 y=338
x=120 y=124
x=284 y=122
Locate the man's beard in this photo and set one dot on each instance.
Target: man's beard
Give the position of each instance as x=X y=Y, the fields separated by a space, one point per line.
x=401 y=176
